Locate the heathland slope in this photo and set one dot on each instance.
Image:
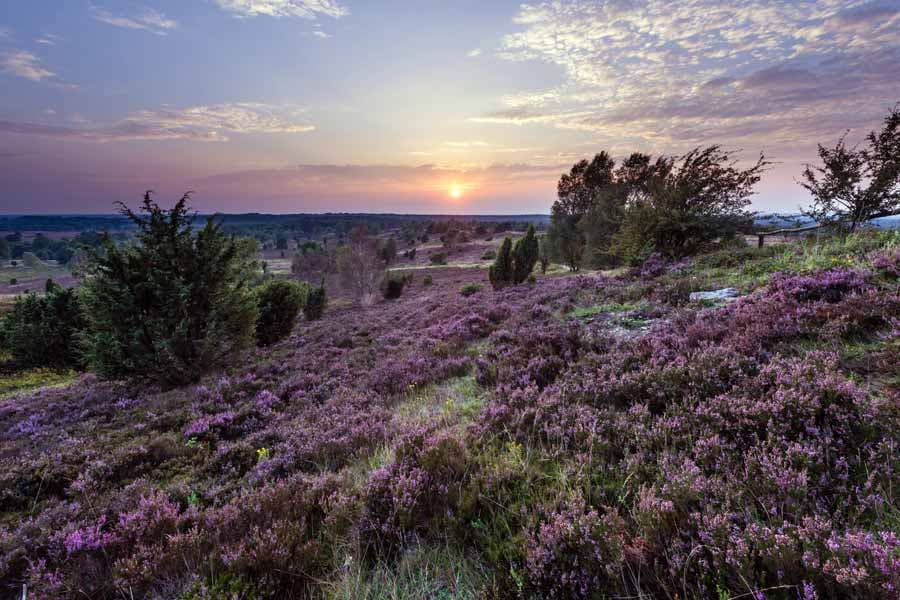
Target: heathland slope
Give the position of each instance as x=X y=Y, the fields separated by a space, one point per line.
x=582 y=436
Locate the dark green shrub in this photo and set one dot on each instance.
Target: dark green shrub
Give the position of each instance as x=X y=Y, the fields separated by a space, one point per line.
x=392 y=285
x=45 y=331
x=172 y=305
x=501 y=272
x=13 y=281
x=387 y=250
x=427 y=280
x=525 y=256
x=315 y=303
x=470 y=289
x=279 y=303
x=439 y=258
x=489 y=255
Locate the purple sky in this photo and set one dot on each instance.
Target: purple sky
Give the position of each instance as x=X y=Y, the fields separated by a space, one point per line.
x=345 y=105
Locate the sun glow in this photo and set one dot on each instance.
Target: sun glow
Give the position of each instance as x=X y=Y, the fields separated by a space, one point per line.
x=456 y=191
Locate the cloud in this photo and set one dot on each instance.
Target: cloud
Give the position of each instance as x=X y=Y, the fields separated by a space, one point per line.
x=148 y=19
x=525 y=116
x=48 y=39
x=467 y=144
x=659 y=74
x=5 y=32
x=304 y=9
x=474 y=53
x=22 y=63
x=321 y=34
x=198 y=123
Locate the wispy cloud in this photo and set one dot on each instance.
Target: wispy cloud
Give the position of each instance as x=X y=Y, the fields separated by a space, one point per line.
x=147 y=19
x=467 y=144
x=199 y=123
x=475 y=53
x=660 y=73
x=48 y=39
x=5 y=32
x=22 y=63
x=304 y=9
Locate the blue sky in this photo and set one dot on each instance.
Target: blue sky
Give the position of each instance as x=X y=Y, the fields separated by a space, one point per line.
x=327 y=105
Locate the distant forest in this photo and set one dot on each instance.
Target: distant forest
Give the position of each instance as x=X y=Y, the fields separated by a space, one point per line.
x=295 y=222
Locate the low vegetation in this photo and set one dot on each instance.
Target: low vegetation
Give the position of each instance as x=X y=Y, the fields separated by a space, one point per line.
x=516 y=442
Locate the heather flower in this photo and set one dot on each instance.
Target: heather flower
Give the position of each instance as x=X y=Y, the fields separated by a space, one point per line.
x=571 y=553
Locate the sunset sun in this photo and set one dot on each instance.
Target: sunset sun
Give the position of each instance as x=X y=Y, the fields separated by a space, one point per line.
x=456 y=191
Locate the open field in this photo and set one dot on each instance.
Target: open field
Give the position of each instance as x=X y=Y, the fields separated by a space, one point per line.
x=536 y=441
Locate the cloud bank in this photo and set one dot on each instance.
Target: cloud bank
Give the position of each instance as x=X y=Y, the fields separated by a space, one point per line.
x=656 y=73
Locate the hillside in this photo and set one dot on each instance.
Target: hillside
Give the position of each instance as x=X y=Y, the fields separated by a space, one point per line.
x=589 y=435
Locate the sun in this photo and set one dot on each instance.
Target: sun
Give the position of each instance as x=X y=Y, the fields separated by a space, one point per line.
x=456 y=191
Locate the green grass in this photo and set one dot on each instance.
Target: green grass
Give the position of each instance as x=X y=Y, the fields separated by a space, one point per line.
x=455 y=401
x=470 y=289
x=436 y=573
x=24 y=381
x=748 y=267
x=583 y=312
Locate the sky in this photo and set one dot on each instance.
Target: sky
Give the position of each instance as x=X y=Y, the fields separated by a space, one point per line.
x=418 y=106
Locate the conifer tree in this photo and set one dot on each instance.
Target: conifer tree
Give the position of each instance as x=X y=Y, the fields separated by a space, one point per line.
x=501 y=272
x=525 y=256
x=173 y=304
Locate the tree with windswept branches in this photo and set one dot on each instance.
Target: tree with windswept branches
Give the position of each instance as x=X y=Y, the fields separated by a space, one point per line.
x=854 y=185
x=171 y=305
x=684 y=203
x=576 y=194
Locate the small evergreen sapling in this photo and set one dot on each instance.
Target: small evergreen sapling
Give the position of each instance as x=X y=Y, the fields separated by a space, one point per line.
x=315 y=303
x=279 y=304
